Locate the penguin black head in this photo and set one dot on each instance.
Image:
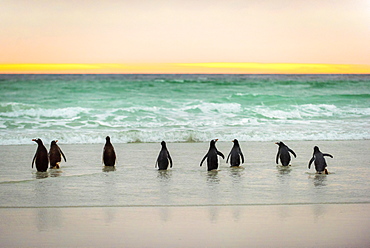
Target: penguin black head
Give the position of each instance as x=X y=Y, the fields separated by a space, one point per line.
x=163 y=144
x=236 y=142
x=107 y=139
x=38 y=141
x=54 y=142
x=213 y=143
x=280 y=143
x=316 y=149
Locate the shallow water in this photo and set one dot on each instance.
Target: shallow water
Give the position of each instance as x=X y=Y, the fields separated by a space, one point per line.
x=83 y=181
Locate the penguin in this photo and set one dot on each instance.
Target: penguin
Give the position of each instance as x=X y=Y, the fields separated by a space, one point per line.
x=163 y=158
x=235 y=154
x=55 y=155
x=212 y=160
x=283 y=153
x=109 y=155
x=41 y=156
x=320 y=163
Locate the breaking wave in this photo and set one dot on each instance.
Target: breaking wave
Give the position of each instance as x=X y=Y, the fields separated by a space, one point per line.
x=192 y=108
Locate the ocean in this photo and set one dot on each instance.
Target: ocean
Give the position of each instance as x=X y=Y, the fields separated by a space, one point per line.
x=83 y=109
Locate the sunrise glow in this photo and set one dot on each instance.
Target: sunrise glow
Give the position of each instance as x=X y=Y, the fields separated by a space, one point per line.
x=219 y=68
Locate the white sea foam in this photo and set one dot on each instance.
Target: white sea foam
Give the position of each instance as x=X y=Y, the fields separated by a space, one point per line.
x=317 y=130
x=81 y=125
x=180 y=109
x=45 y=113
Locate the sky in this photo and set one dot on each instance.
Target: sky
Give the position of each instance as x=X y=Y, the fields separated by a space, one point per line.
x=142 y=36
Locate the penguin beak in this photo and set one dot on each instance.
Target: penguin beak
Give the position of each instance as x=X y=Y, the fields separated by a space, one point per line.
x=277 y=143
x=56 y=141
x=34 y=140
x=216 y=140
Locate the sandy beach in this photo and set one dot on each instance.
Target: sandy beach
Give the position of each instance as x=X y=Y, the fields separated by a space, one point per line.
x=318 y=225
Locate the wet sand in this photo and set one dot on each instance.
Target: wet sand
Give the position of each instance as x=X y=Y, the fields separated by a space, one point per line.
x=317 y=225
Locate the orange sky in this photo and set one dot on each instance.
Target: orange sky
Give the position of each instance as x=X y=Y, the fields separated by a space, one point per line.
x=185 y=36
x=239 y=68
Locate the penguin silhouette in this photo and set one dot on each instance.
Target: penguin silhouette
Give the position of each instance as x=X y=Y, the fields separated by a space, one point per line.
x=55 y=155
x=320 y=163
x=235 y=154
x=283 y=154
x=109 y=155
x=41 y=156
x=163 y=158
x=212 y=160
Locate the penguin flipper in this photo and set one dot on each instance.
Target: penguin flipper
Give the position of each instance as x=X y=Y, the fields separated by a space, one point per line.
x=242 y=156
x=169 y=158
x=228 y=156
x=65 y=160
x=292 y=152
x=203 y=159
x=33 y=160
x=220 y=154
x=309 y=164
x=328 y=155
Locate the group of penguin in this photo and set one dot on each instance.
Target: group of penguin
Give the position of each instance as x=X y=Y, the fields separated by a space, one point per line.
x=42 y=157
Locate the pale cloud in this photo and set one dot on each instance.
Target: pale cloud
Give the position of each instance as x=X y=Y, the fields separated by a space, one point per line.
x=185 y=31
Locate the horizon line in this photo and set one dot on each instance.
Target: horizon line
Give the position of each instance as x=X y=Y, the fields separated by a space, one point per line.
x=183 y=68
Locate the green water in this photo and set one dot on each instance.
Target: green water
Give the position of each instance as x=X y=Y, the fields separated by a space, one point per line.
x=182 y=108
